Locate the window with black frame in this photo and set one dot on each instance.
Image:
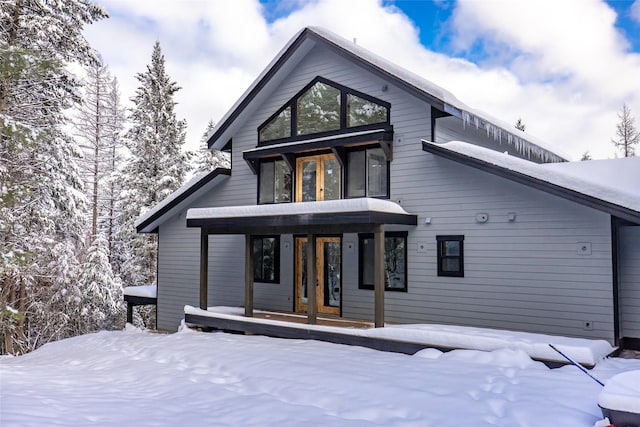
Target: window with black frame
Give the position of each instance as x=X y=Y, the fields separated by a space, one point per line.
x=367 y=173
x=450 y=256
x=266 y=259
x=275 y=182
x=395 y=260
x=324 y=107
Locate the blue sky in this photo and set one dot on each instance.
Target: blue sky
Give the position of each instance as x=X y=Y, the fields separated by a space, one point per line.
x=565 y=67
x=432 y=16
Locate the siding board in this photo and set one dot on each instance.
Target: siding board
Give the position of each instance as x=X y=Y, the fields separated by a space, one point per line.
x=524 y=275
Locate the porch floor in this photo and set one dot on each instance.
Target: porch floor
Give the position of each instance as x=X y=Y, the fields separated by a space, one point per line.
x=323 y=319
x=406 y=339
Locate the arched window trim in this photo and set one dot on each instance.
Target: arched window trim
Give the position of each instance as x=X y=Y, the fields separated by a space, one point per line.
x=344 y=91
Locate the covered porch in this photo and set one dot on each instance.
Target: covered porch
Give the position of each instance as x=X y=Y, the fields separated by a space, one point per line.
x=311 y=219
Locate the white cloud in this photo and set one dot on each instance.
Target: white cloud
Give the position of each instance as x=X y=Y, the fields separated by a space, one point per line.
x=562 y=66
x=635 y=10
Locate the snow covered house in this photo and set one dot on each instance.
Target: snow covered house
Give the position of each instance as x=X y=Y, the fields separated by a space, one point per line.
x=334 y=145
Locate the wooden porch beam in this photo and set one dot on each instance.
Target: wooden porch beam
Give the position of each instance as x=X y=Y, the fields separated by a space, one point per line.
x=312 y=279
x=290 y=160
x=341 y=155
x=379 y=270
x=387 y=149
x=248 y=276
x=204 y=268
x=253 y=165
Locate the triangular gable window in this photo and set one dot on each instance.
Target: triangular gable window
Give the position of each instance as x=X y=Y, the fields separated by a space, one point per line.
x=324 y=108
x=278 y=127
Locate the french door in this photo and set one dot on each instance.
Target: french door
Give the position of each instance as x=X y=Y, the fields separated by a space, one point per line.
x=328 y=268
x=318 y=178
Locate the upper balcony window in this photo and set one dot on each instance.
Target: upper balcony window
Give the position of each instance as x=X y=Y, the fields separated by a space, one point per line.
x=319 y=109
x=324 y=108
x=364 y=112
x=278 y=127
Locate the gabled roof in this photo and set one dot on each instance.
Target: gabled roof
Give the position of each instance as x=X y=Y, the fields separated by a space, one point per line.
x=565 y=180
x=151 y=219
x=440 y=98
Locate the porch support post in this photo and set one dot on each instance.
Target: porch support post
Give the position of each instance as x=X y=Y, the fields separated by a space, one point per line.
x=312 y=279
x=204 y=268
x=248 y=276
x=379 y=270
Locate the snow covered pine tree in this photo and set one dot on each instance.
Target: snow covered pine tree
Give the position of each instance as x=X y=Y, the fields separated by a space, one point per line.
x=41 y=205
x=156 y=167
x=207 y=160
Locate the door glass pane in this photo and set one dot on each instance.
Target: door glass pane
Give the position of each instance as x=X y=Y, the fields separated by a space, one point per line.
x=356 y=174
x=332 y=274
x=282 y=176
x=266 y=183
x=377 y=173
x=303 y=267
x=309 y=181
x=319 y=109
x=331 y=179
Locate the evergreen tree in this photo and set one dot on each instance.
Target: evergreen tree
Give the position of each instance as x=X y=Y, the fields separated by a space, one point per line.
x=114 y=146
x=586 y=156
x=102 y=306
x=520 y=124
x=628 y=135
x=99 y=124
x=41 y=204
x=156 y=167
x=207 y=160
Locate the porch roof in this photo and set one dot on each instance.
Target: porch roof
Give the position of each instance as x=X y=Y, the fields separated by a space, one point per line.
x=346 y=215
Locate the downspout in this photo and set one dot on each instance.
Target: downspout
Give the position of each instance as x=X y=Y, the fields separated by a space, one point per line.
x=615 y=225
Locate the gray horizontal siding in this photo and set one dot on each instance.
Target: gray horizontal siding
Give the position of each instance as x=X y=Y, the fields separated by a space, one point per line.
x=629 y=276
x=523 y=275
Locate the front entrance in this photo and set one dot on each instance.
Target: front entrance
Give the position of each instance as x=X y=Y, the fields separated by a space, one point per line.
x=328 y=268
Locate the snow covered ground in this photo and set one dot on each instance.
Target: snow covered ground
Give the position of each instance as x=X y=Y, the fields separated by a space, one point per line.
x=193 y=379
x=581 y=350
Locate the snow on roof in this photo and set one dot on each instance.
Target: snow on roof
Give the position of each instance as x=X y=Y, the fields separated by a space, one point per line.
x=495 y=128
x=145 y=291
x=196 y=179
x=230 y=113
x=565 y=175
x=622 y=174
x=622 y=393
x=301 y=208
x=524 y=143
x=582 y=350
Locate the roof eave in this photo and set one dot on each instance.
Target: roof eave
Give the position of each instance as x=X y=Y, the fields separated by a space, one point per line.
x=151 y=225
x=521 y=178
x=309 y=34
x=260 y=83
